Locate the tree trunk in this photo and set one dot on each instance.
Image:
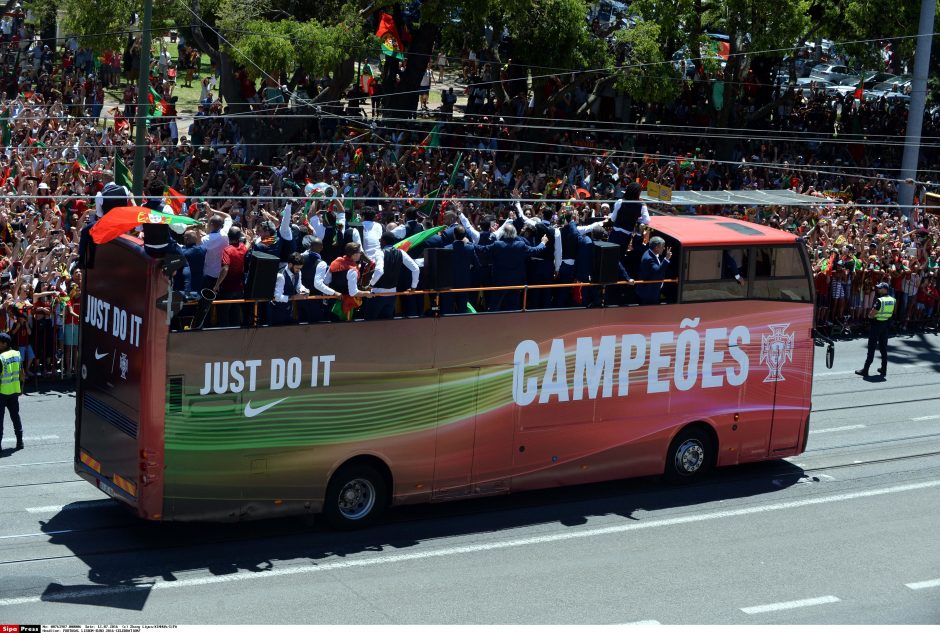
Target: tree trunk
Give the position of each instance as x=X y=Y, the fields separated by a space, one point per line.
x=404 y=98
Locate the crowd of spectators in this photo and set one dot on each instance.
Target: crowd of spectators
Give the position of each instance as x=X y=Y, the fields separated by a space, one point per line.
x=60 y=147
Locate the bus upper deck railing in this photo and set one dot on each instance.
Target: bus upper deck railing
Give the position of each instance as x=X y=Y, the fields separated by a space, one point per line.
x=433 y=294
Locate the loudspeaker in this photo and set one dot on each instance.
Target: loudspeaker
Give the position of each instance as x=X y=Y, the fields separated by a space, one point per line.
x=262 y=275
x=606 y=258
x=156 y=239
x=439 y=264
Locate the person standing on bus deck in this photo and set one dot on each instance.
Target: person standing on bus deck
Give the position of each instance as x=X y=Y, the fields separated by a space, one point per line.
x=390 y=265
x=628 y=212
x=653 y=268
x=215 y=242
x=465 y=260
x=288 y=288
x=343 y=277
x=880 y=314
x=13 y=374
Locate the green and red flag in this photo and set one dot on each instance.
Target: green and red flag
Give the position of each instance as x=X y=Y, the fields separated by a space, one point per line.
x=418 y=238
x=157 y=103
x=81 y=165
x=174 y=199
x=122 y=174
x=389 y=37
x=122 y=219
x=359 y=160
x=433 y=139
x=860 y=90
x=6 y=134
x=366 y=80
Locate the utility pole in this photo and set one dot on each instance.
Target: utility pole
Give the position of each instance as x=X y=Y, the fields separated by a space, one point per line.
x=143 y=101
x=915 y=116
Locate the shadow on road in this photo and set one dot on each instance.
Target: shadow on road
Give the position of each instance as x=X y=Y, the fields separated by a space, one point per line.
x=125 y=555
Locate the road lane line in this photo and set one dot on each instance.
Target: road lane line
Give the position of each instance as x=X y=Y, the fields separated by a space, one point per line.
x=75 y=505
x=201 y=581
x=924 y=584
x=926 y=417
x=35 y=438
x=61 y=461
x=643 y=623
x=836 y=429
x=852 y=371
x=793 y=604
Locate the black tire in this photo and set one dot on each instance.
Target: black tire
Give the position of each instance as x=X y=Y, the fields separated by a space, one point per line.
x=356 y=497
x=690 y=457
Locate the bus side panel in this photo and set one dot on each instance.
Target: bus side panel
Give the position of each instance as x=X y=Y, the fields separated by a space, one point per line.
x=267 y=415
x=113 y=362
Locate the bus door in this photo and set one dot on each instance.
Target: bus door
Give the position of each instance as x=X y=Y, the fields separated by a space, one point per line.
x=474 y=433
x=785 y=346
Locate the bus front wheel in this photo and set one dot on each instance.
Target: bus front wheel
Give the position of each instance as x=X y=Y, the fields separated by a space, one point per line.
x=690 y=456
x=356 y=497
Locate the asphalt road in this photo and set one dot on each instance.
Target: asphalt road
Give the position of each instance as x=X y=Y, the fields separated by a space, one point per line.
x=845 y=533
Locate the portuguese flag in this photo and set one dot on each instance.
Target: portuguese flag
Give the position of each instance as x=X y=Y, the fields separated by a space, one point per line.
x=122 y=219
x=6 y=135
x=157 y=103
x=418 y=238
x=122 y=174
x=81 y=165
x=175 y=199
x=433 y=139
x=388 y=36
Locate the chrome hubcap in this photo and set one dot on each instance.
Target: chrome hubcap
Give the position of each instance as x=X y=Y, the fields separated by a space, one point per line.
x=690 y=456
x=356 y=499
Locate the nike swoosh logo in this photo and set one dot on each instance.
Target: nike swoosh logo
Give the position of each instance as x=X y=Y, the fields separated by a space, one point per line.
x=251 y=412
x=99 y=356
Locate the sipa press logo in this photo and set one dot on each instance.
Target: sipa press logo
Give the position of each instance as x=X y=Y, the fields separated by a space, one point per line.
x=776 y=350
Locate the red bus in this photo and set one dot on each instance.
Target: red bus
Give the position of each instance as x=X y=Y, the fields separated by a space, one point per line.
x=345 y=419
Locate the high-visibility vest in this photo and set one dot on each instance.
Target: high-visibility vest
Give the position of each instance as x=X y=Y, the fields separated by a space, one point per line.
x=10 y=376
x=886 y=310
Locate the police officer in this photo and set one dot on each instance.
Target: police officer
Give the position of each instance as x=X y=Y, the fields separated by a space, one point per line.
x=10 y=379
x=880 y=314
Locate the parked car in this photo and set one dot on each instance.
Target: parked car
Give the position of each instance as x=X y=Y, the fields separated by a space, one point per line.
x=830 y=72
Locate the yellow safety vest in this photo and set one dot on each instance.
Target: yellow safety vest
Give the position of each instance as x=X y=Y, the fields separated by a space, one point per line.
x=10 y=376
x=887 y=308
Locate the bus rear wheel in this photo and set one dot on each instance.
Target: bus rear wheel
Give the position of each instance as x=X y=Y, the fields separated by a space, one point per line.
x=691 y=455
x=356 y=497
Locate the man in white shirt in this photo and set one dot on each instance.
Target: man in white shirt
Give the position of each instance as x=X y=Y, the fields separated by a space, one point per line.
x=371 y=233
x=215 y=242
x=389 y=266
x=288 y=287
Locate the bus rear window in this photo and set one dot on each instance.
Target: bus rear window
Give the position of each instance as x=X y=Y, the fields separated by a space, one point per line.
x=779 y=274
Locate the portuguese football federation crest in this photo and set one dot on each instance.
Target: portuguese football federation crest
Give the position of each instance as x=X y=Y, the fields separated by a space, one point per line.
x=776 y=349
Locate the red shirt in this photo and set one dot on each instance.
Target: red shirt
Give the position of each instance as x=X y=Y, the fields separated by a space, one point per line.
x=234 y=258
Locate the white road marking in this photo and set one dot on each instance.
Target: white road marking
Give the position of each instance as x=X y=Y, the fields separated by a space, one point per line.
x=26 y=438
x=926 y=417
x=464 y=549
x=852 y=371
x=79 y=505
x=836 y=429
x=61 y=461
x=793 y=604
x=924 y=584
x=643 y=623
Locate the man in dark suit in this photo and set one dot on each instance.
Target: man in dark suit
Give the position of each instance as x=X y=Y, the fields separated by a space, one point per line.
x=653 y=267
x=509 y=255
x=464 y=261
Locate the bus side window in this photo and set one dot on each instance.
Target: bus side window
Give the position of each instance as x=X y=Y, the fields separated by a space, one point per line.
x=715 y=275
x=779 y=275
